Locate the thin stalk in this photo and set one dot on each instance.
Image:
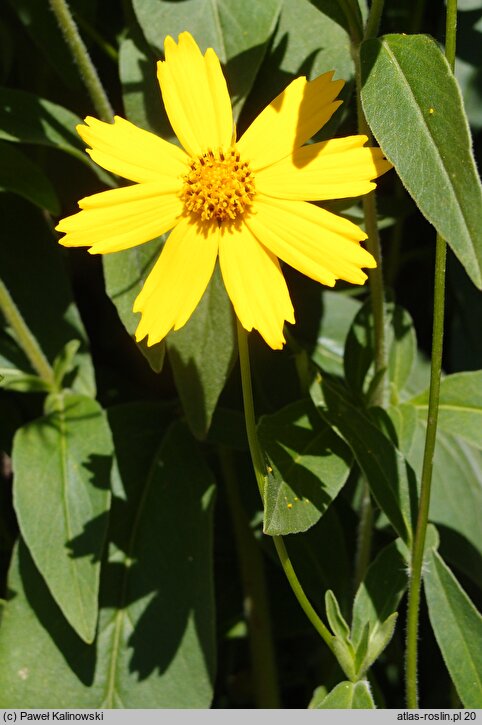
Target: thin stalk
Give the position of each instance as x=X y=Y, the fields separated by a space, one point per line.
x=81 y=57
x=24 y=337
x=256 y=605
x=261 y=479
x=431 y=433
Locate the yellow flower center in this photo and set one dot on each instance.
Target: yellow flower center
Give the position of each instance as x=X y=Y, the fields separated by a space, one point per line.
x=218 y=186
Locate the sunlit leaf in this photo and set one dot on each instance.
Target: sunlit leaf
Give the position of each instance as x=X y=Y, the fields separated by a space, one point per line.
x=238 y=32
x=309 y=462
x=154 y=646
x=457 y=626
x=460 y=407
x=422 y=128
x=62 y=466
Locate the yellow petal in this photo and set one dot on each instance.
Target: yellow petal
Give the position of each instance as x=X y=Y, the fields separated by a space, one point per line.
x=195 y=96
x=255 y=284
x=290 y=120
x=320 y=244
x=334 y=169
x=131 y=152
x=121 y=218
x=178 y=279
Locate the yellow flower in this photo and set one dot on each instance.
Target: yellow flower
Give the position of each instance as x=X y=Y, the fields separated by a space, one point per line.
x=246 y=201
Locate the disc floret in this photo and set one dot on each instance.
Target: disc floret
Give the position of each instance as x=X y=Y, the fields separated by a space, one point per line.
x=219 y=185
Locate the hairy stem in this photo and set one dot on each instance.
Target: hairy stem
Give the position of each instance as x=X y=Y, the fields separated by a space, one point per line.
x=432 y=417
x=24 y=337
x=81 y=57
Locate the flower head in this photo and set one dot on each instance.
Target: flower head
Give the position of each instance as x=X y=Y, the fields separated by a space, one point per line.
x=243 y=201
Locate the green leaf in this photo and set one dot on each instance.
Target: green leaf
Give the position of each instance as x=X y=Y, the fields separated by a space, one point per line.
x=306 y=42
x=202 y=355
x=422 y=128
x=62 y=465
x=392 y=481
x=348 y=696
x=140 y=88
x=468 y=63
x=33 y=271
x=359 y=350
x=457 y=626
x=345 y=654
x=310 y=466
x=379 y=595
x=155 y=643
x=22 y=176
x=334 y=9
x=125 y=273
x=322 y=559
x=460 y=407
x=318 y=697
x=238 y=32
x=404 y=417
x=27 y=118
x=338 y=314
x=456 y=499
x=337 y=622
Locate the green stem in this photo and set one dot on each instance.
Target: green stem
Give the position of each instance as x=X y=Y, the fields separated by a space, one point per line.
x=256 y=606
x=82 y=59
x=24 y=337
x=431 y=433
x=262 y=478
x=351 y=11
x=373 y=21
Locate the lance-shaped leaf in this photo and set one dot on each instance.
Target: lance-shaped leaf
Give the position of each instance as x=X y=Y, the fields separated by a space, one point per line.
x=155 y=640
x=457 y=626
x=62 y=465
x=202 y=354
x=422 y=128
x=390 y=477
x=309 y=463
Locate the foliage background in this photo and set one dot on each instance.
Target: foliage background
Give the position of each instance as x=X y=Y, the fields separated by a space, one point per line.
x=172 y=630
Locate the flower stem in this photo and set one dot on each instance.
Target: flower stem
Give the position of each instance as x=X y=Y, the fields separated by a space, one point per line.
x=256 y=606
x=27 y=341
x=432 y=417
x=81 y=57
x=261 y=479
